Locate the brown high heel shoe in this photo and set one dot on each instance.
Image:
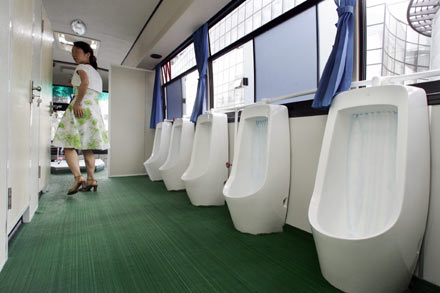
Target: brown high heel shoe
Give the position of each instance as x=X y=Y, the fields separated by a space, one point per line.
x=79 y=181
x=93 y=185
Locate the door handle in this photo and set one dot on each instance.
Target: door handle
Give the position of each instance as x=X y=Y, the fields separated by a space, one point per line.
x=33 y=98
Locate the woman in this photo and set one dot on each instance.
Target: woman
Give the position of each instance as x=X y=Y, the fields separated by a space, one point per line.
x=82 y=126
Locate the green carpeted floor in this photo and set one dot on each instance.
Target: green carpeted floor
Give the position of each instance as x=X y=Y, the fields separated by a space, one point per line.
x=134 y=236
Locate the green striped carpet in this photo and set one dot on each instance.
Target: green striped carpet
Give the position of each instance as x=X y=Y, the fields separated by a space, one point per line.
x=134 y=236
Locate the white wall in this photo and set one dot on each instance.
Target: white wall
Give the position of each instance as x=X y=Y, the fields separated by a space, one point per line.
x=4 y=124
x=149 y=132
x=306 y=134
x=130 y=92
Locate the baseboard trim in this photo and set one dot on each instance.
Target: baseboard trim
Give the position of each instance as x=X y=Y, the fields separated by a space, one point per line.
x=128 y=175
x=2 y=264
x=15 y=229
x=17 y=219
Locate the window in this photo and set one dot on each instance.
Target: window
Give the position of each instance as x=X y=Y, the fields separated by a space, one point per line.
x=183 y=61
x=62 y=94
x=233 y=75
x=327 y=19
x=180 y=94
x=246 y=18
x=292 y=65
x=189 y=89
x=393 y=47
x=287 y=56
x=173 y=93
x=103 y=104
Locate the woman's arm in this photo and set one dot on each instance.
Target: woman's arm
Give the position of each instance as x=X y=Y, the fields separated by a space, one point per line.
x=77 y=108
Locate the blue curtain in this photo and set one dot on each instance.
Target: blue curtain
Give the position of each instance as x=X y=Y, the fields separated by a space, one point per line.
x=156 y=110
x=200 y=38
x=337 y=73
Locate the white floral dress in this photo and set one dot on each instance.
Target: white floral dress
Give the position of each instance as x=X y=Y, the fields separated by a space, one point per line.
x=88 y=132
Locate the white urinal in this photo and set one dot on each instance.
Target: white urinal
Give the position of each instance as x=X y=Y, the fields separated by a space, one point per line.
x=258 y=187
x=369 y=205
x=206 y=174
x=179 y=154
x=160 y=150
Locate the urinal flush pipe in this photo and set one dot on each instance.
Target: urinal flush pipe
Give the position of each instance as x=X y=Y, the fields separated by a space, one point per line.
x=235 y=129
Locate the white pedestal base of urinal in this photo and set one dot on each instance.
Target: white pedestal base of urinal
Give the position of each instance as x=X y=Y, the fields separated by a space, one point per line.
x=172 y=182
x=152 y=172
x=249 y=217
x=173 y=187
x=364 y=265
x=205 y=203
x=200 y=194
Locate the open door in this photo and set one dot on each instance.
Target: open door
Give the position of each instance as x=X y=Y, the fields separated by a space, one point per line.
x=40 y=102
x=45 y=105
x=35 y=110
x=19 y=129
x=5 y=38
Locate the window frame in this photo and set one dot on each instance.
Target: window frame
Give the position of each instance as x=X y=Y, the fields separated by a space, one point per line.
x=301 y=108
x=295 y=108
x=166 y=98
x=211 y=75
x=184 y=97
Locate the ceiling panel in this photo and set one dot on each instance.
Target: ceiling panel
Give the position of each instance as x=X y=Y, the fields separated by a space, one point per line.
x=179 y=28
x=113 y=22
x=117 y=24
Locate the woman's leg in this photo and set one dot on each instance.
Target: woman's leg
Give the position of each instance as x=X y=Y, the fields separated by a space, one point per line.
x=72 y=160
x=89 y=157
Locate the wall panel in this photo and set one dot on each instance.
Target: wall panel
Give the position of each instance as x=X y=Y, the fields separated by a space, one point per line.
x=127 y=120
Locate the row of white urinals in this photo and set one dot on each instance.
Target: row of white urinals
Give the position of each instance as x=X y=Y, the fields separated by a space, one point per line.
x=369 y=205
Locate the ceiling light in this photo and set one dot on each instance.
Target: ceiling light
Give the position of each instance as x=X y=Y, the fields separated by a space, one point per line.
x=65 y=41
x=78 y=27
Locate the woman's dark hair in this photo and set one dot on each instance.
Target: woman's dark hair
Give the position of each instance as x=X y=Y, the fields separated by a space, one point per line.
x=87 y=49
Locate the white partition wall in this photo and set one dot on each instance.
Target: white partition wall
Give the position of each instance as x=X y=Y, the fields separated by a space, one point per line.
x=130 y=99
x=306 y=135
x=431 y=253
